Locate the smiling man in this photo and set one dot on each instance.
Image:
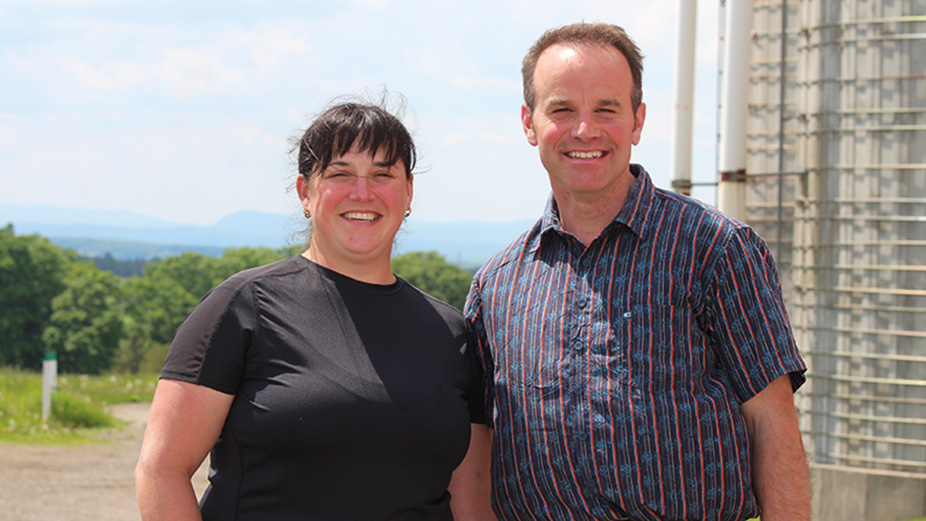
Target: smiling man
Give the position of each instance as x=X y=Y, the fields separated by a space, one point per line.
x=640 y=358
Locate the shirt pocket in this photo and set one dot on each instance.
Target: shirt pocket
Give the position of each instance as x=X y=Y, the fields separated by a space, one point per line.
x=660 y=355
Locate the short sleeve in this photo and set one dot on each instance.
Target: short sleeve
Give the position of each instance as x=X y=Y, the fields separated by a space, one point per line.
x=472 y=310
x=751 y=330
x=210 y=346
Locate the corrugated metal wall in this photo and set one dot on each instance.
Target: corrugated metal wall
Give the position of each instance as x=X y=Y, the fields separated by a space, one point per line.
x=847 y=218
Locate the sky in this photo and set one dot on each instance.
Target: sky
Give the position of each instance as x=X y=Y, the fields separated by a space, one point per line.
x=186 y=110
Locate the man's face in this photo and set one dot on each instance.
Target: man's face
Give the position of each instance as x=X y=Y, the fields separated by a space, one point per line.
x=583 y=122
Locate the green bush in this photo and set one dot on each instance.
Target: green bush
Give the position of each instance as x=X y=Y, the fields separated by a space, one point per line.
x=74 y=412
x=78 y=406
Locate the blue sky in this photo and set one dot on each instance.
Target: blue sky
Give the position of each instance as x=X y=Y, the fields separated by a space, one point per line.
x=184 y=110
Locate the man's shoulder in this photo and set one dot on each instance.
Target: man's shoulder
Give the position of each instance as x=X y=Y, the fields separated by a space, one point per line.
x=695 y=212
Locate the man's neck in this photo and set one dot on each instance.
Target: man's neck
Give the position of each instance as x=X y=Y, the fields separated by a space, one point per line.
x=586 y=217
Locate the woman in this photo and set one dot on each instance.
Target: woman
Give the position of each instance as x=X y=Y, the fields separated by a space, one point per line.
x=324 y=386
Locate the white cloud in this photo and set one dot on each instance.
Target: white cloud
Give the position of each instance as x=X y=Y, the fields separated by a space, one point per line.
x=184 y=111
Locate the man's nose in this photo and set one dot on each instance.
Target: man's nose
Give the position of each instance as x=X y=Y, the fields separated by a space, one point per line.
x=586 y=127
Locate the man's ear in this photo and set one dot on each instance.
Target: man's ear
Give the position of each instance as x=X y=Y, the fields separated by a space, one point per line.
x=638 y=118
x=527 y=124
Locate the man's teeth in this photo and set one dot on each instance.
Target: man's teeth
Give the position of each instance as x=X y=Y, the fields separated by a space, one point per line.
x=586 y=155
x=360 y=216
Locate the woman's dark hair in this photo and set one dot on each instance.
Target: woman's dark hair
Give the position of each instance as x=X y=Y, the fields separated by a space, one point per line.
x=370 y=127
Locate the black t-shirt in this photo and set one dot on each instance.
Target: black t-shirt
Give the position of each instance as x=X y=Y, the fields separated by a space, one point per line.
x=352 y=400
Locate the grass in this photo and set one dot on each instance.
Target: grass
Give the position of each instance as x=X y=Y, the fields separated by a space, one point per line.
x=78 y=409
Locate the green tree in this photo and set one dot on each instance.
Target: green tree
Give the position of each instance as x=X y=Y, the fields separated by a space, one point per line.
x=86 y=323
x=154 y=306
x=157 y=303
x=194 y=272
x=234 y=260
x=31 y=275
x=432 y=274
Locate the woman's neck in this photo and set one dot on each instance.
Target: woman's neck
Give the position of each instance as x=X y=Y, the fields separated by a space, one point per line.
x=372 y=271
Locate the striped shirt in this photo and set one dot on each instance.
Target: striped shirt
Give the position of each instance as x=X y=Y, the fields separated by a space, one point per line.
x=618 y=369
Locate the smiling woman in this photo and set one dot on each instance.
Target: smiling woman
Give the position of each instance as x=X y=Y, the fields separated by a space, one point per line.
x=356 y=185
x=322 y=385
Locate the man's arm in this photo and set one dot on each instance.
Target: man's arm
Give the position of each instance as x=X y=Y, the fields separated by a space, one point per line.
x=781 y=480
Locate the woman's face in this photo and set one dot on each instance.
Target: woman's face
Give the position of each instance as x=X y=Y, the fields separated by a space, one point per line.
x=357 y=203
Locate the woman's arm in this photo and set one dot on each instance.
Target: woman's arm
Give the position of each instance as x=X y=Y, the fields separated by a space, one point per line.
x=471 y=487
x=183 y=425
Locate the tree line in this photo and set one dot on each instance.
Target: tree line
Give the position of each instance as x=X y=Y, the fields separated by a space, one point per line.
x=51 y=300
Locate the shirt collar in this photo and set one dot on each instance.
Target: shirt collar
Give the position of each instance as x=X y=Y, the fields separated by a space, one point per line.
x=632 y=215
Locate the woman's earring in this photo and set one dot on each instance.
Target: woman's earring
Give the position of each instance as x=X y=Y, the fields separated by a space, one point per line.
x=408 y=212
x=307 y=213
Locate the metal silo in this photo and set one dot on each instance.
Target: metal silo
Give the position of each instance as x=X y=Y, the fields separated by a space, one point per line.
x=836 y=175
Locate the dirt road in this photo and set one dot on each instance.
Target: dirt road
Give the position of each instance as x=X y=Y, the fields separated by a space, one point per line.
x=84 y=483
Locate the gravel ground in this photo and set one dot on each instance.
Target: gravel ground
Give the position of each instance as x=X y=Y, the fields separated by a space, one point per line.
x=92 y=482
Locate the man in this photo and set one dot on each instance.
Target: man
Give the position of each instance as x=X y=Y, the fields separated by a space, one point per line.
x=641 y=359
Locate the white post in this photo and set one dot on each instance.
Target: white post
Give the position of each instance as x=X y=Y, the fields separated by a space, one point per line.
x=684 y=96
x=49 y=382
x=731 y=193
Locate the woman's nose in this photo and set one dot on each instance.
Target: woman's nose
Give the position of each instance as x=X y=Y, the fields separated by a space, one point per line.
x=361 y=188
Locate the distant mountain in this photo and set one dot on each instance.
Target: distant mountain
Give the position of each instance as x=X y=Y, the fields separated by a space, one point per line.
x=127 y=235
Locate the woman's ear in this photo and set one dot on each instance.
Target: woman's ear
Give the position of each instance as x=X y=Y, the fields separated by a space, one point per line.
x=302 y=188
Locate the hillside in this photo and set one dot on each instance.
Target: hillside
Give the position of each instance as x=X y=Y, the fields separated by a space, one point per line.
x=128 y=236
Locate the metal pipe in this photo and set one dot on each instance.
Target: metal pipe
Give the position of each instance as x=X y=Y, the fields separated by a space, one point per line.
x=781 y=121
x=868 y=21
x=868 y=200
x=915 y=168
x=860 y=243
x=851 y=80
x=860 y=307
x=882 y=461
x=859 y=130
x=874 y=291
x=731 y=193
x=684 y=96
x=865 y=41
x=864 y=267
x=869 y=380
x=869 y=417
x=860 y=437
x=868 y=356
x=877 y=399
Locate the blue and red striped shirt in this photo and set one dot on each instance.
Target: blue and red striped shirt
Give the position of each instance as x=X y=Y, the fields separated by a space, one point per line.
x=618 y=369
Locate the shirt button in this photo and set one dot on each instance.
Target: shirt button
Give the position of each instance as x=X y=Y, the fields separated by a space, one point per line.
x=582 y=302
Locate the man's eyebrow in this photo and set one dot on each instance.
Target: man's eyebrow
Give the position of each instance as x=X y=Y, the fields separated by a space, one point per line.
x=562 y=102
x=557 y=102
x=609 y=102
